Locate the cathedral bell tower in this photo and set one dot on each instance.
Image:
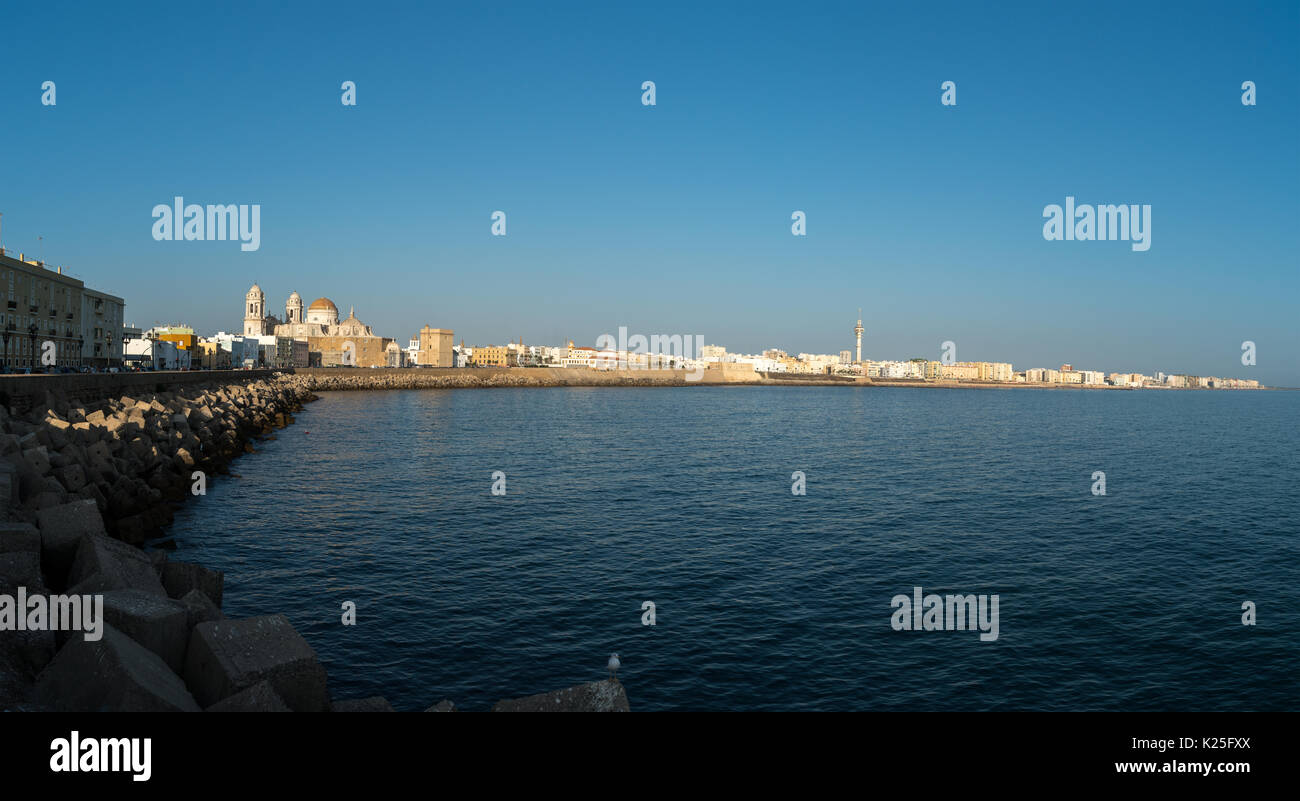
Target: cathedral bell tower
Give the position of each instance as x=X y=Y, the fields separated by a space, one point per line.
x=254 y=312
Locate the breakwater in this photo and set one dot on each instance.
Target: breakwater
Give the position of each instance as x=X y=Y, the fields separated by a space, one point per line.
x=87 y=477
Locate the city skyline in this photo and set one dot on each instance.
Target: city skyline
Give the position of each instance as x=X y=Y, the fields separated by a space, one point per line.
x=677 y=216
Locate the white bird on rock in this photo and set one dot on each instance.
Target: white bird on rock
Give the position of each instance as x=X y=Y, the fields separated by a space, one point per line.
x=613 y=666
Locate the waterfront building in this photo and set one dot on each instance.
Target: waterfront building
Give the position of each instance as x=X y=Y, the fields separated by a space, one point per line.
x=579 y=356
x=149 y=353
x=490 y=356
x=101 y=328
x=211 y=356
x=434 y=347
x=182 y=335
x=275 y=351
x=244 y=351
x=48 y=305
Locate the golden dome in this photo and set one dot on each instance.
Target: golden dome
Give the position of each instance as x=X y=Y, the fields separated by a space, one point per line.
x=323 y=304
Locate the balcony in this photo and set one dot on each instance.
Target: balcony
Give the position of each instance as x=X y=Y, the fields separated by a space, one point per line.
x=13 y=304
x=69 y=315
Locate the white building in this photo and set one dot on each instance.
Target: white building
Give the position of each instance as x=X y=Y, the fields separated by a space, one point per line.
x=156 y=354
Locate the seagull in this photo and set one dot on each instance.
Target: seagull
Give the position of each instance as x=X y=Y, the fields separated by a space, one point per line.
x=613 y=666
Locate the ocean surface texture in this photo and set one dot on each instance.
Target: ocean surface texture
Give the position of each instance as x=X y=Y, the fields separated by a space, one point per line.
x=765 y=599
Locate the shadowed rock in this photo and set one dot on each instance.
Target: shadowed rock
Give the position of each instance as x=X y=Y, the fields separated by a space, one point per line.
x=199 y=609
x=159 y=624
x=113 y=674
x=595 y=696
x=21 y=568
x=375 y=703
x=103 y=564
x=261 y=697
x=228 y=656
x=19 y=537
x=179 y=578
x=62 y=528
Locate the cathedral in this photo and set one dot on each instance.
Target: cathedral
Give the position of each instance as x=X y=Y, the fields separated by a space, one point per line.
x=329 y=342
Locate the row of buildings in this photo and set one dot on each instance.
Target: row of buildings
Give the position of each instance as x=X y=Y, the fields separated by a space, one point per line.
x=85 y=328
x=47 y=305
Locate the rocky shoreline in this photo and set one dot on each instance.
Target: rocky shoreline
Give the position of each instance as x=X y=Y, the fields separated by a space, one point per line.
x=83 y=486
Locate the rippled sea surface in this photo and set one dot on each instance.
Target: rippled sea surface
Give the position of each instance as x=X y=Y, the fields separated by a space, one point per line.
x=767 y=600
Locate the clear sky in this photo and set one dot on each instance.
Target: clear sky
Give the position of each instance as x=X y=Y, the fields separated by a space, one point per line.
x=676 y=218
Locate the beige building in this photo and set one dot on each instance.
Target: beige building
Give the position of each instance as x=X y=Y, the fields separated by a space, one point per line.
x=43 y=305
x=491 y=356
x=435 y=348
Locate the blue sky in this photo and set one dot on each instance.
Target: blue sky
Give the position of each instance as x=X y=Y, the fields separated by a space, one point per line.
x=676 y=218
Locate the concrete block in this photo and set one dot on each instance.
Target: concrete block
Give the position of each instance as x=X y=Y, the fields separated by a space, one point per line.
x=595 y=696
x=62 y=528
x=228 y=656
x=261 y=697
x=112 y=674
x=180 y=577
x=199 y=608
x=375 y=703
x=15 y=536
x=103 y=564
x=159 y=624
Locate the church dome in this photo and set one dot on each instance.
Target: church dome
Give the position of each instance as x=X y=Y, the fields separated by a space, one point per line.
x=255 y=290
x=323 y=304
x=295 y=296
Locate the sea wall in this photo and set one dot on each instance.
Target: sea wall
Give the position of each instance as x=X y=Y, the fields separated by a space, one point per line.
x=19 y=393
x=332 y=378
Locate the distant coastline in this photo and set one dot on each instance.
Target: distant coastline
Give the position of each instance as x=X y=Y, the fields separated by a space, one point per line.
x=345 y=379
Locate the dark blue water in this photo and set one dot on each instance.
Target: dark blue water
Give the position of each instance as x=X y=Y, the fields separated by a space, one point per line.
x=766 y=600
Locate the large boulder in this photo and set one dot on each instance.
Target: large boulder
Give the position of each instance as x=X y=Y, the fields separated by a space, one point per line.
x=199 y=608
x=228 y=656
x=62 y=528
x=15 y=536
x=595 y=696
x=159 y=624
x=112 y=674
x=261 y=697
x=375 y=703
x=180 y=577
x=103 y=564
x=23 y=655
x=21 y=568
